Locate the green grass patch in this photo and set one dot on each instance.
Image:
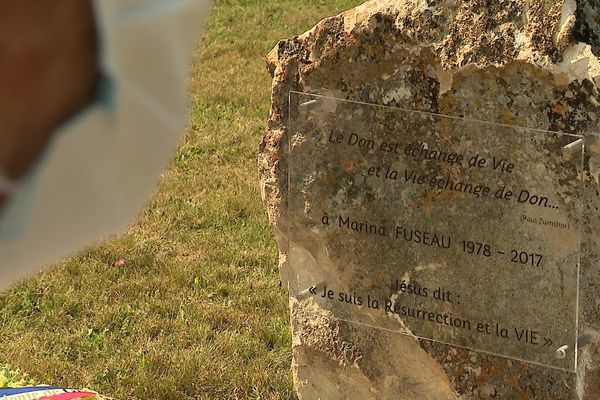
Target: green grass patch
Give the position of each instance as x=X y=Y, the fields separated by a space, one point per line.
x=11 y=378
x=196 y=311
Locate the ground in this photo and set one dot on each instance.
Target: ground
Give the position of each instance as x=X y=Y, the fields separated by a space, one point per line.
x=187 y=303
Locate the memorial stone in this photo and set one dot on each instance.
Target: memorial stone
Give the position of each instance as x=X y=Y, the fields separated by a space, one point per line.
x=431 y=172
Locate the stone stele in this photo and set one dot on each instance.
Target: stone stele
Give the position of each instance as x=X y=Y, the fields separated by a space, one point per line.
x=530 y=63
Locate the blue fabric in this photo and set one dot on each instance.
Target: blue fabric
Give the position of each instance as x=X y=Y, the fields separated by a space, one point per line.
x=11 y=391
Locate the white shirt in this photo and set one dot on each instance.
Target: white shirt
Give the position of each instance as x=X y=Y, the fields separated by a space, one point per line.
x=101 y=166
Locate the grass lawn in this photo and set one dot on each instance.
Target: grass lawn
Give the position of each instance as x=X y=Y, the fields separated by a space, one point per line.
x=196 y=312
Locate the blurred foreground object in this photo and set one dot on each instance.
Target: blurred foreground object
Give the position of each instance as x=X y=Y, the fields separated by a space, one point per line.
x=15 y=385
x=48 y=72
x=67 y=183
x=47 y=393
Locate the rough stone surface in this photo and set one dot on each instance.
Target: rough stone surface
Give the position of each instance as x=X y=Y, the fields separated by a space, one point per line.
x=531 y=63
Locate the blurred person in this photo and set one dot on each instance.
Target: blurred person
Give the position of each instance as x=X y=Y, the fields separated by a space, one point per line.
x=92 y=102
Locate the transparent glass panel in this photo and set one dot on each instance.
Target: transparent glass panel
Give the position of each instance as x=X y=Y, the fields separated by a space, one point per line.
x=448 y=229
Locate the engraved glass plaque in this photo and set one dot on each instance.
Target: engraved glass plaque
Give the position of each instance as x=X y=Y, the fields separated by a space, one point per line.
x=454 y=230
